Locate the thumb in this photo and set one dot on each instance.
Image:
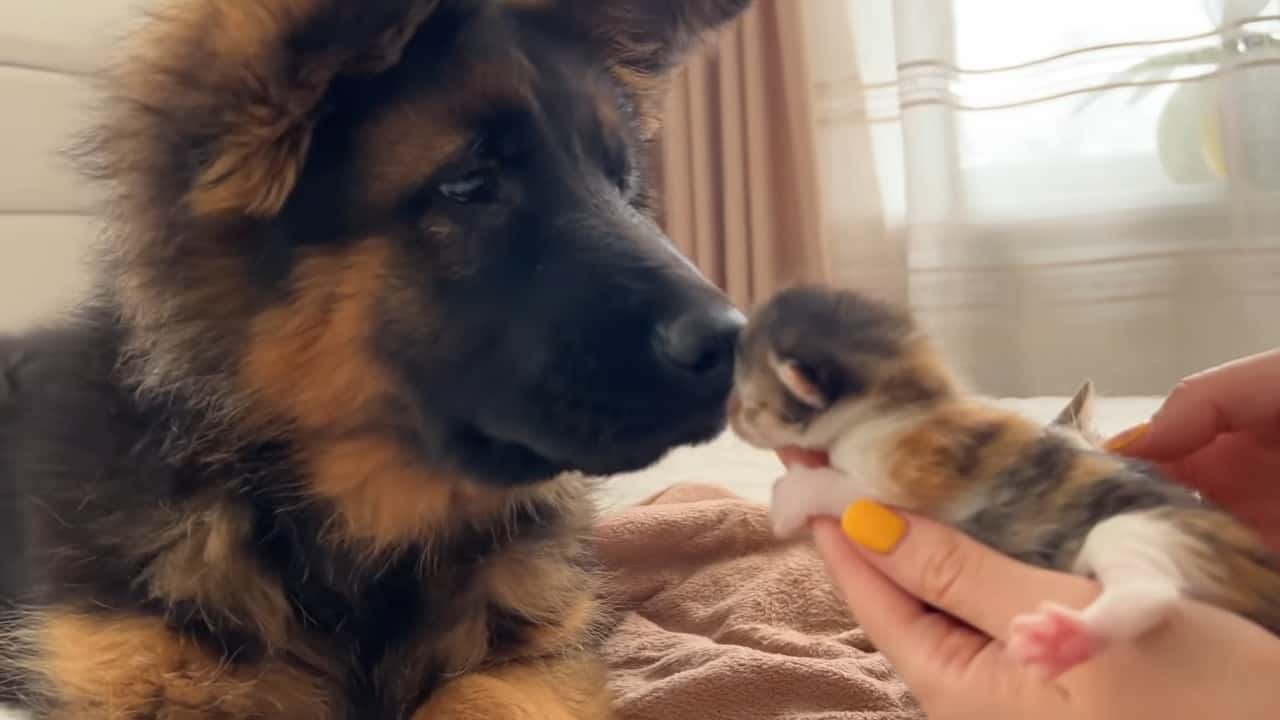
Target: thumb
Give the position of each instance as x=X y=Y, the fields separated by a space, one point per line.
x=948 y=570
x=918 y=642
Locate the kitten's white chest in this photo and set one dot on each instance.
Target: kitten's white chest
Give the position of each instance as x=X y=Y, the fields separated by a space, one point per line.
x=862 y=455
x=859 y=469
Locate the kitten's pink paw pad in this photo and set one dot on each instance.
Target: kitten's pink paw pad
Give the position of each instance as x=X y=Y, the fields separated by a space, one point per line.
x=1053 y=640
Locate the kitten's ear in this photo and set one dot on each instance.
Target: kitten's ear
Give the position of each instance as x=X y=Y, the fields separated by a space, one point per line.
x=803 y=382
x=1078 y=415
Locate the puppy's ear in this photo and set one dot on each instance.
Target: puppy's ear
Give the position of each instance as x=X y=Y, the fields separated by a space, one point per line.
x=645 y=40
x=220 y=97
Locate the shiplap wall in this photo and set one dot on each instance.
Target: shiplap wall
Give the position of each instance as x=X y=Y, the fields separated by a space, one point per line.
x=48 y=50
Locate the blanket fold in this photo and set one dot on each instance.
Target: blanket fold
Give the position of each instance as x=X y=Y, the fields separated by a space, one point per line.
x=723 y=621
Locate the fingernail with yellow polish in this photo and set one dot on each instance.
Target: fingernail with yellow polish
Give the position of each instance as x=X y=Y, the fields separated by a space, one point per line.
x=1128 y=437
x=873 y=526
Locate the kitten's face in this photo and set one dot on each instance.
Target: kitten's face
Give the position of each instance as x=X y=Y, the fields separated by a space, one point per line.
x=773 y=404
x=812 y=359
x=1076 y=420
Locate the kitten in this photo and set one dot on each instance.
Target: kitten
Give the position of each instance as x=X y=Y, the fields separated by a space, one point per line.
x=832 y=370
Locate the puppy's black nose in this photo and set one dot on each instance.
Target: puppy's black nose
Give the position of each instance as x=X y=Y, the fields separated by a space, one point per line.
x=701 y=341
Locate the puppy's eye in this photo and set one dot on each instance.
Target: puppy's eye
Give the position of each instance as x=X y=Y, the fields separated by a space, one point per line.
x=618 y=169
x=474 y=187
x=620 y=177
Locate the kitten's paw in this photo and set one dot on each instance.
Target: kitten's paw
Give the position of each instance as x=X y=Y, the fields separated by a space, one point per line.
x=1053 y=640
x=788 y=524
x=789 y=509
x=801 y=495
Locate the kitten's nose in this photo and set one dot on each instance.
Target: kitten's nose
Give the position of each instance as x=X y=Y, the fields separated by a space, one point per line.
x=700 y=342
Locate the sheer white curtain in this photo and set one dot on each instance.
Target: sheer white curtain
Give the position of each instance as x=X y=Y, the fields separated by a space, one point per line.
x=1059 y=189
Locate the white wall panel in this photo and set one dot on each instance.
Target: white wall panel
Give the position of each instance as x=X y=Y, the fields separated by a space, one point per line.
x=48 y=50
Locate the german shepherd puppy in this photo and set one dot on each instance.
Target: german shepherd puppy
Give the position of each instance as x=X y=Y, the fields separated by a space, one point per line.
x=380 y=289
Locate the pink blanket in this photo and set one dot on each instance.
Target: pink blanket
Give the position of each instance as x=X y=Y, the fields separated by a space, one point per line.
x=723 y=621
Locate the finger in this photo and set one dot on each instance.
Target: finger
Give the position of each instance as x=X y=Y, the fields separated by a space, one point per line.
x=1239 y=396
x=946 y=569
x=1241 y=475
x=921 y=644
x=880 y=603
x=1232 y=463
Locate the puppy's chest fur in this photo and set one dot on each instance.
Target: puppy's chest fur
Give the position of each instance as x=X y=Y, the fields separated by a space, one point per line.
x=393 y=629
x=108 y=535
x=382 y=633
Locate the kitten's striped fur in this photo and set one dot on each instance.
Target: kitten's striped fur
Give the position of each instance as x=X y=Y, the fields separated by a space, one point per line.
x=830 y=369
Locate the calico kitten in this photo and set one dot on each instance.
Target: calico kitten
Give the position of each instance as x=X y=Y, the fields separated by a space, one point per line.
x=832 y=370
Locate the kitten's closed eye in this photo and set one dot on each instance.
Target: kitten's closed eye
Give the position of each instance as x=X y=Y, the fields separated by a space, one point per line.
x=794 y=416
x=770 y=414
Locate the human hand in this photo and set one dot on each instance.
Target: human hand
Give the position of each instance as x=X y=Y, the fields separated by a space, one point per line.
x=1219 y=432
x=939 y=605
